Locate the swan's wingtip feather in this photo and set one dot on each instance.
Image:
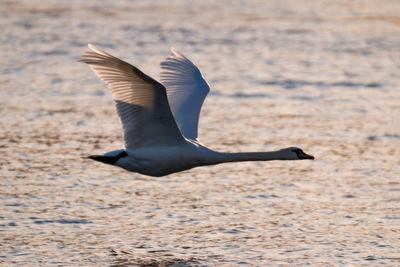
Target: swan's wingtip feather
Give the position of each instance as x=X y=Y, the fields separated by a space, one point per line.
x=176 y=53
x=173 y=50
x=92 y=47
x=98 y=50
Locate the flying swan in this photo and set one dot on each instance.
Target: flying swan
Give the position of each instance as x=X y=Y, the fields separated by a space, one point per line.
x=160 y=120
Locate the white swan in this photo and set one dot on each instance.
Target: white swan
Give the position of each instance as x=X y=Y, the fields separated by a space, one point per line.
x=160 y=120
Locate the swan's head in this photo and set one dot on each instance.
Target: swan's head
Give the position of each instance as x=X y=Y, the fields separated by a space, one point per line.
x=294 y=153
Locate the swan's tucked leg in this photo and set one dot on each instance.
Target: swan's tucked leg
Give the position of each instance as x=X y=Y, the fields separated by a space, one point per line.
x=108 y=159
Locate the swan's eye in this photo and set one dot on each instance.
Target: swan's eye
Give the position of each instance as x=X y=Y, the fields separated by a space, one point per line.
x=298 y=152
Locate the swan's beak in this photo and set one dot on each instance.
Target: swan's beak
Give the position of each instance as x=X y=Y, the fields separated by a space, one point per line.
x=303 y=155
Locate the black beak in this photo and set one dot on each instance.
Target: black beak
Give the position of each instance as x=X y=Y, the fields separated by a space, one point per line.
x=303 y=155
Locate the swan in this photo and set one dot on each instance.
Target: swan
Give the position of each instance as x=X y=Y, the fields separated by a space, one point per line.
x=160 y=120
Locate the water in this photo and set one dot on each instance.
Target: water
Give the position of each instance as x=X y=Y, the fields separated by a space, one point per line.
x=319 y=75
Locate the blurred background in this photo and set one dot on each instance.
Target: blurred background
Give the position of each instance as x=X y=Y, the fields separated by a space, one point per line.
x=321 y=75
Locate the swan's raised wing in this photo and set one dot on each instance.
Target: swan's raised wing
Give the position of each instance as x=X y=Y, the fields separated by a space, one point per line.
x=141 y=101
x=186 y=90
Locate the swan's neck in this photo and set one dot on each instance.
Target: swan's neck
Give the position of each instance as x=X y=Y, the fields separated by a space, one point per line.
x=249 y=156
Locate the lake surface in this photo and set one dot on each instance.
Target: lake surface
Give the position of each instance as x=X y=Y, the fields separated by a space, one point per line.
x=320 y=75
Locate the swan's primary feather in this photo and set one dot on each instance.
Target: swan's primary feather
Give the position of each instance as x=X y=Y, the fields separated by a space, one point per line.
x=186 y=90
x=141 y=101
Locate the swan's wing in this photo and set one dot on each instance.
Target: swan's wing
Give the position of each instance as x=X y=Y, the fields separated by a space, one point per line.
x=141 y=101
x=186 y=90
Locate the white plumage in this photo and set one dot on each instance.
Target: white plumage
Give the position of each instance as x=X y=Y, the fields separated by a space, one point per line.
x=186 y=90
x=160 y=121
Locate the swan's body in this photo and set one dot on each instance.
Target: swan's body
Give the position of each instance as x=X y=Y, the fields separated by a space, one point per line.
x=160 y=120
